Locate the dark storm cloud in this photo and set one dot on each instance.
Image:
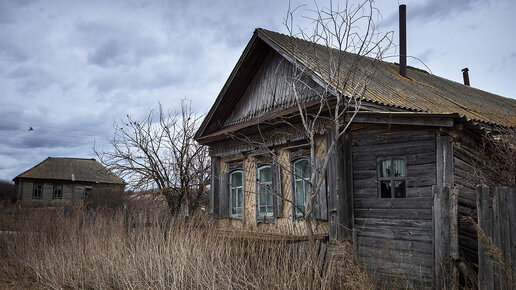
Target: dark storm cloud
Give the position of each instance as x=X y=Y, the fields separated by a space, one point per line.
x=433 y=10
x=153 y=77
x=31 y=78
x=11 y=52
x=70 y=68
x=115 y=44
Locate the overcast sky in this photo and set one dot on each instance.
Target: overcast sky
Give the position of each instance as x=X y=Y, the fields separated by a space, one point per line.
x=68 y=69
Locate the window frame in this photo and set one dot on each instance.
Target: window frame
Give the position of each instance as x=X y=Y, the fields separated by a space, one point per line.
x=87 y=192
x=40 y=195
x=306 y=182
x=259 y=194
x=54 y=196
x=237 y=216
x=391 y=179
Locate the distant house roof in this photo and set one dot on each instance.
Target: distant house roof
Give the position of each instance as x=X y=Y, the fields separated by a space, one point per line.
x=71 y=169
x=419 y=92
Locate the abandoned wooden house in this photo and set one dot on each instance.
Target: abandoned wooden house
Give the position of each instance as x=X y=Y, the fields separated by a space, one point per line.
x=62 y=181
x=412 y=141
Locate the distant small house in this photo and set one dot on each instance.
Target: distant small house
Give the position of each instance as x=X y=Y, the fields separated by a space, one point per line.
x=58 y=181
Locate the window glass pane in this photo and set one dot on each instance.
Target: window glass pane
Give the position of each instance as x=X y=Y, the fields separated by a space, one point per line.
x=265 y=173
x=264 y=190
x=240 y=198
x=385 y=189
x=302 y=169
x=233 y=197
x=398 y=167
x=269 y=200
x=399 y=189
x=261 y=196
x=385 y=168
x=300 y=194
x=236 y=179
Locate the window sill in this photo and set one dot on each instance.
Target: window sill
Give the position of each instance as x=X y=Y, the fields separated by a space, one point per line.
x=265 y=219
x=237 y=217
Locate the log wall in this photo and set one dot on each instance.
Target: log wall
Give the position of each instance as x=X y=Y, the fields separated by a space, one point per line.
x=396 y=231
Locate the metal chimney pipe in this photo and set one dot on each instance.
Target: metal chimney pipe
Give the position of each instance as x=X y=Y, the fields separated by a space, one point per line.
x=465 y=76
x=403 y=39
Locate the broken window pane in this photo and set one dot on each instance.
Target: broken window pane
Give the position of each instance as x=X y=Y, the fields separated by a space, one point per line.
x=385 y=189
x=399 y=189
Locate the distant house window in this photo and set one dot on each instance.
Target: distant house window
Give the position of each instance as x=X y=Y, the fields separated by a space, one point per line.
x=301 y=184
x=87 y=192
x=392 y=178
x=58 y=192
x=37 y=191
x=265 y=196
x=236 y=191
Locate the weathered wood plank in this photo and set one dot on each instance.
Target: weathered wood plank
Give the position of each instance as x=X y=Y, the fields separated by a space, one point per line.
x=394 y=223
x=511 y=210
x=346 y=189
x=485 y=222
x=395 y=256
x=394 y=203
x=410 y=234
x=392 y=137
x=398 y=268
x=424 y=247
x=396 y=148
x=417 y=214
x=215 y=189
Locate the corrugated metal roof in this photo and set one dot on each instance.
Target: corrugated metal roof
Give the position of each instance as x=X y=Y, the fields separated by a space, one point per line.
x=71 y=169
x=421 y=91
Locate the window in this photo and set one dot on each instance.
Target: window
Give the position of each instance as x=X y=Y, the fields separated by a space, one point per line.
x=87 y=192
x=58 y=192
x=236 y=191
x=392 y=178
x=301 y=184
x=37 y=191
x=265 y=196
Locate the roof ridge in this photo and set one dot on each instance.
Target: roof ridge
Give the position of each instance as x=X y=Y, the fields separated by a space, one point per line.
x=76 y=158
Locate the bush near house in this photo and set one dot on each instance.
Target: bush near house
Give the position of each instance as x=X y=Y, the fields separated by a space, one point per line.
x=6 y=191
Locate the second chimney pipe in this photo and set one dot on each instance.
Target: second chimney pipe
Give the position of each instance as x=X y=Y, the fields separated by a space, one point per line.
x=465 y=76
x=403 y=40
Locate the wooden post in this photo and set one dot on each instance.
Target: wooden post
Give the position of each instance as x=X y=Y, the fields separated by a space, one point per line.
x=485 y=222
x=502 y=234
x=511 y=212
x=454 y=235
x=340 y=186
x=444 y=248
x=346 y=216
x=445 y=217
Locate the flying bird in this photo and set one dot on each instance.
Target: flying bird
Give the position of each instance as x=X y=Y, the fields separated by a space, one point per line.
x=30 y=129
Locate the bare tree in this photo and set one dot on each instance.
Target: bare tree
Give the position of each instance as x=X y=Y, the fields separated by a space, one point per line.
x=159 y=153
x=496 y=164
x=333 y=62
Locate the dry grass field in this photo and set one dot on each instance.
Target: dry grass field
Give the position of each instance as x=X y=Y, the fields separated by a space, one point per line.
x=54 y=249
x=75 y=249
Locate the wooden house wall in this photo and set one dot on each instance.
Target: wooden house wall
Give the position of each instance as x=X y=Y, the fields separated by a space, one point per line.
x=284 y=224
x=396 y=231
x=26 y=188
x=72 y=192
x=466 y=182
x=268 y=90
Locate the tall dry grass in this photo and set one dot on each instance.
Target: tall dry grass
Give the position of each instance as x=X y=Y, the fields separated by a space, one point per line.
x=77 y=250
